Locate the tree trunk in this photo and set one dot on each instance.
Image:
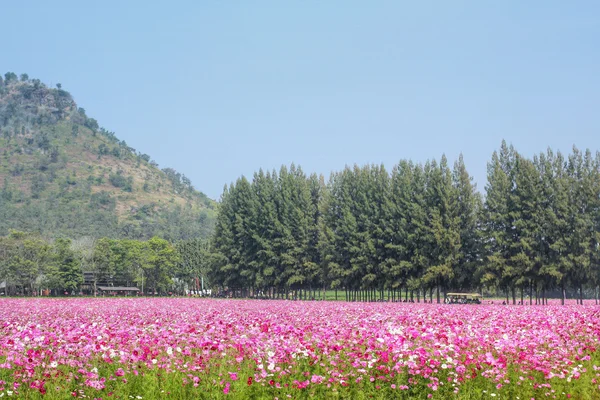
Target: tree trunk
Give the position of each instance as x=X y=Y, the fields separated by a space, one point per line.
x=522 y=290
x=543 y=296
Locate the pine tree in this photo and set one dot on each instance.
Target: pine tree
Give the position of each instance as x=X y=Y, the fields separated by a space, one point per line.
x=580 y=242
x=346 y=262
x=331 y=273
x=267 y=230
x=225 y=267
x=443 y=223
x=524 y=249
x=553 y=210
x=419 y=233
x=469 y=206
x=379 y=201
x=497 y=222
x=314 y=263
x=293 y=204
x=244 y=217
x=397 y=257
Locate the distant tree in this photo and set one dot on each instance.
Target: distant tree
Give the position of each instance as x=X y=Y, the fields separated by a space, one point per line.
x=69 y=274
x=186 y=181
x=58 y=86
x=43 y=141
x=54 y=153
x=345 y=262
x=120 y=181
x=263 y=266
x=92 y=124
x=104 y=266
x=83 y=249
x=498 y=221
x=525 y=251
x=582 y=241
x=10 y=77
x=444 y=229
x=293 y=203
x=469 y=203
x=225 y=268
x=161 y=260
x=23 y=259
x=38 y=185
x=194 y=260
x=24 y=77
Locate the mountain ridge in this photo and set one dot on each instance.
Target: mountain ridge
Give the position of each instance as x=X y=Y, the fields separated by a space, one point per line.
x=64 y=175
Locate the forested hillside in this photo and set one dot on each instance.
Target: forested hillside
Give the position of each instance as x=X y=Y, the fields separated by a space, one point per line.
x=62 y=175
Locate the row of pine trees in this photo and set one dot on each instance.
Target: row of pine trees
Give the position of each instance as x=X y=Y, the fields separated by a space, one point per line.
x=417 y=230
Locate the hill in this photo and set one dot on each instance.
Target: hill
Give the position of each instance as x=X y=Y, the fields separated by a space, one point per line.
x=61 y=174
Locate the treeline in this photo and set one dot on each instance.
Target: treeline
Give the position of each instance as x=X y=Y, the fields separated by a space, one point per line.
x=31 y=265
x=417 y=230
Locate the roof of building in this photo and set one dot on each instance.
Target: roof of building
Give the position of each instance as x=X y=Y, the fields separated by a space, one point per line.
x=118 y=289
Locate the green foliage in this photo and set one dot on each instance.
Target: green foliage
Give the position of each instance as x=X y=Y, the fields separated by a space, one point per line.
x=29 y=263
x=420 y=228
x=160 y=259
x=120 y=181
x=68 y=276
x=24 y=261
x=10 y=77
x=55 y=183
x=540 y=222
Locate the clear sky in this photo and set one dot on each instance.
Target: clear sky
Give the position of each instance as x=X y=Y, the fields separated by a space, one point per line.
x=217 y=89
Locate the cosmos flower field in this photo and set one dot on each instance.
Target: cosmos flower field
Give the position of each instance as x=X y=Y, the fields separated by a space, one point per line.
x=197 y=348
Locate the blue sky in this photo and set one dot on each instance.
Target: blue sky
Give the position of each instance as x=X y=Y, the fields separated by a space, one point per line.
x=217 y=89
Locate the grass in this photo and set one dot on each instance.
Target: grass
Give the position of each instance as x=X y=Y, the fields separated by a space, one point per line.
x=218 y=381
